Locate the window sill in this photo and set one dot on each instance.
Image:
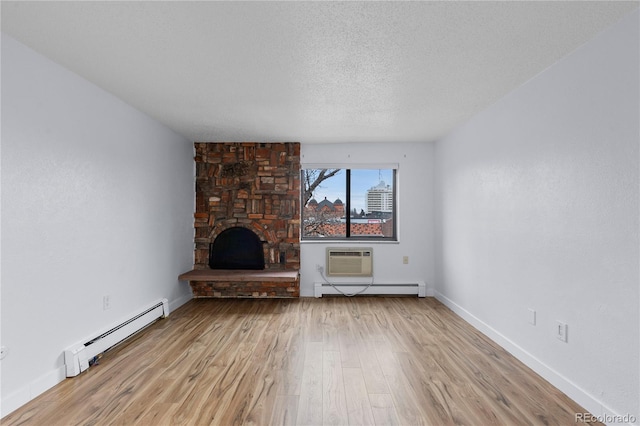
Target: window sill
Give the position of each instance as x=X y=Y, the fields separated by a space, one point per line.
x=348 y=241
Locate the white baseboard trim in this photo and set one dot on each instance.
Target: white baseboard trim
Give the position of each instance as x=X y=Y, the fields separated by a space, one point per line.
x=25 y=394
x=175 y=304
x=573 y=391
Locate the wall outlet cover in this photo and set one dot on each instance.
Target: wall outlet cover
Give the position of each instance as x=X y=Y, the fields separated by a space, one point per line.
x=106 y=303
x=561 y=331
x=532 y=316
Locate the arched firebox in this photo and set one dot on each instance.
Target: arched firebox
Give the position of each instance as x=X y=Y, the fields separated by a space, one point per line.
x=236 y=248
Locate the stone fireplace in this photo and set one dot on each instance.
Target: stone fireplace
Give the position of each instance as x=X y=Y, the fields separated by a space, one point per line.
x=242 y=187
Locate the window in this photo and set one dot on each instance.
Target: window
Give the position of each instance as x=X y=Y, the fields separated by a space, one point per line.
x=349 y=203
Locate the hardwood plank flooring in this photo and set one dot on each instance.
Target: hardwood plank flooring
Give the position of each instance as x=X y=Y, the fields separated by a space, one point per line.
x=330 y=361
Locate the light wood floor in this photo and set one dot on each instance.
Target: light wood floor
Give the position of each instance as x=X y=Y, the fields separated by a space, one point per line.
x=329 y=361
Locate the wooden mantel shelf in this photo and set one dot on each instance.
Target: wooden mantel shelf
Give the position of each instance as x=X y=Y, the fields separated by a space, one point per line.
x=240 y=275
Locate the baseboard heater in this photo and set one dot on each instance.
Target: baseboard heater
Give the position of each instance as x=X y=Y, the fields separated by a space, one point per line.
x=419 y=288
x=76 y=357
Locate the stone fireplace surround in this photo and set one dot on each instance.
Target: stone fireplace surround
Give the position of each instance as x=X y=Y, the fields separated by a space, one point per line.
x=255 y=186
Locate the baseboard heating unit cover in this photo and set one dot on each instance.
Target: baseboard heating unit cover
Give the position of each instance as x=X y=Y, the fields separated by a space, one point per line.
x=76 y=357
x=419 y=289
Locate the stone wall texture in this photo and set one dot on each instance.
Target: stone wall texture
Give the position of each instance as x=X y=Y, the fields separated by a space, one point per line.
x=245 y=289
x=253 y=185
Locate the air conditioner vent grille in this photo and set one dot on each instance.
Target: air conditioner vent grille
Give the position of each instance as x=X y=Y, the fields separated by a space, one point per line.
x=349 y=262
x=346 y=253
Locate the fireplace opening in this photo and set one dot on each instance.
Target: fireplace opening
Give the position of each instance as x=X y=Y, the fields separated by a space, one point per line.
x=236 y=248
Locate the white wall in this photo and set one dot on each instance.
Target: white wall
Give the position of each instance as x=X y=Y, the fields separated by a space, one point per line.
x=97 y=199
x=538 y=208
x=415 y=210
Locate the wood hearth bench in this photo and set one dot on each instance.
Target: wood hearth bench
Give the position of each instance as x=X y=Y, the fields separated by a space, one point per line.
x=243 y=283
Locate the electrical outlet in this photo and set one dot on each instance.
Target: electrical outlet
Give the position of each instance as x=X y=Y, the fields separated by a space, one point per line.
x=561 y=331
x=3 y=352
x=532 y=316
x=106 y=303
x=405 y=260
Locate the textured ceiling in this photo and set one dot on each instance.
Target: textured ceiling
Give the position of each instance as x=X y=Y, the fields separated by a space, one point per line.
x=309 y=71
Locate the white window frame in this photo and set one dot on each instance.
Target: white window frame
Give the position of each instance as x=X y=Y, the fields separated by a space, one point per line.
x=355 y=166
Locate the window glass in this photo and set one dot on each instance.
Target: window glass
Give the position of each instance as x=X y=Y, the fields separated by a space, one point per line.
x=372 y=203
x=348 y=203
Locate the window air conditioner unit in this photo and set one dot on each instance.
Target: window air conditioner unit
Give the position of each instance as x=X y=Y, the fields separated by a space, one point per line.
x=349 y=262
